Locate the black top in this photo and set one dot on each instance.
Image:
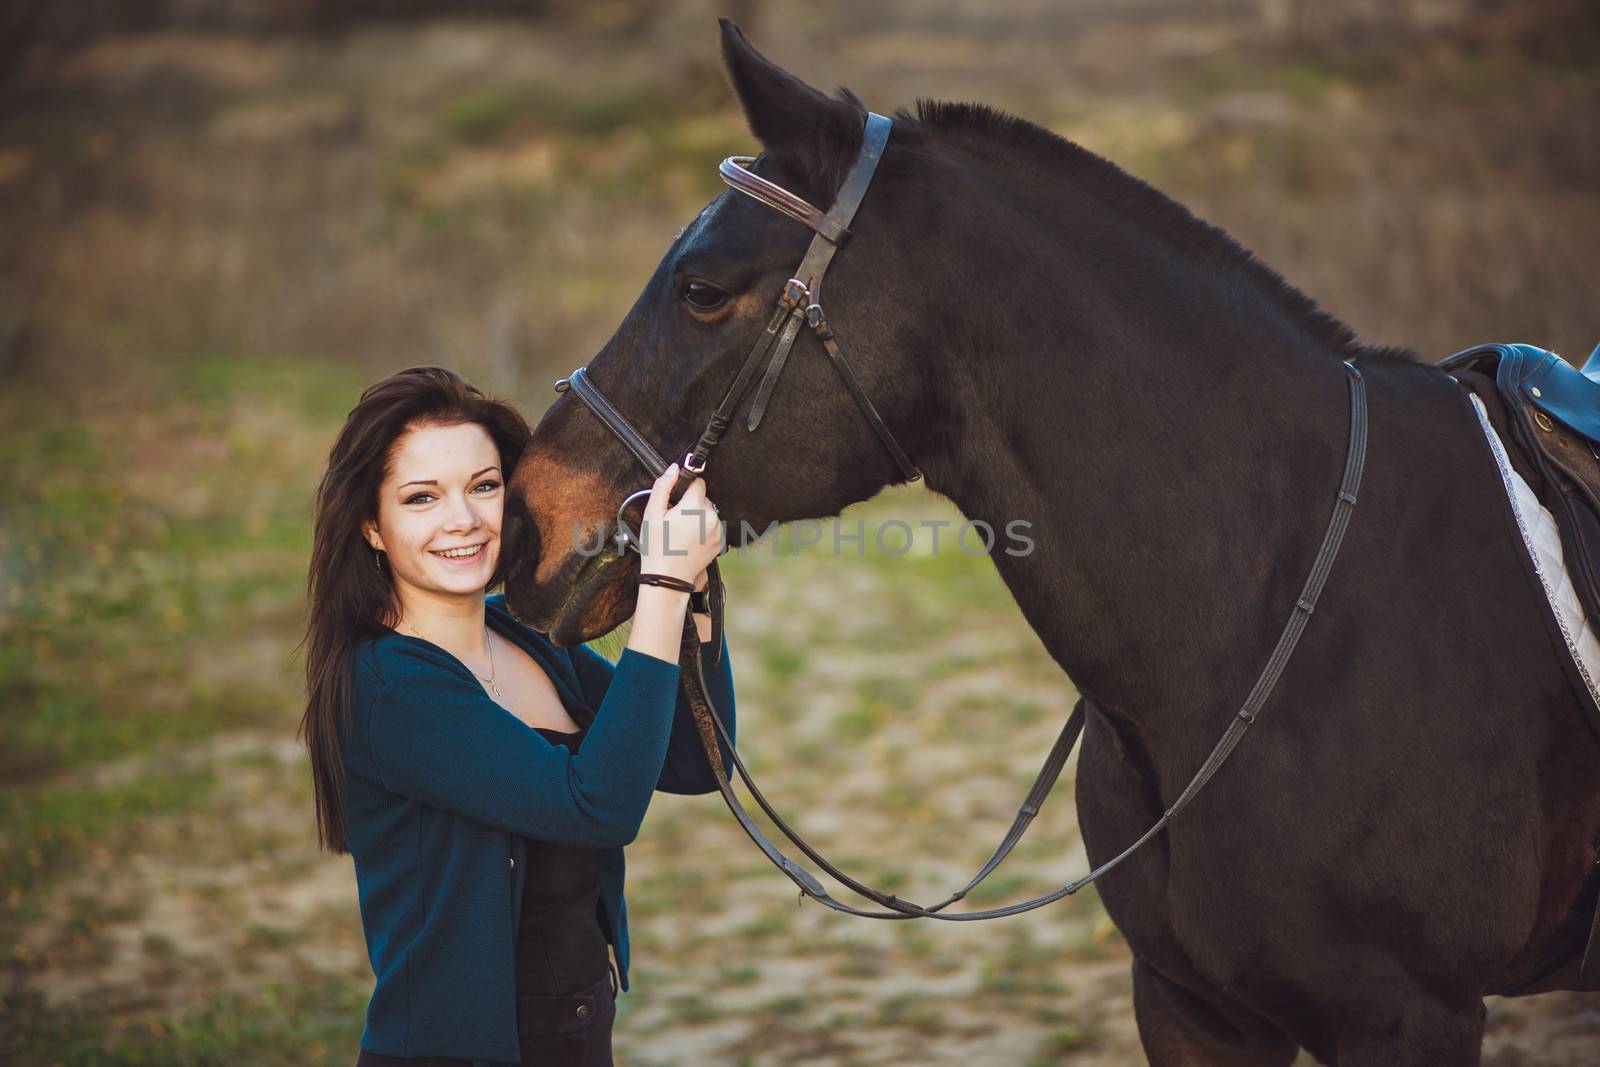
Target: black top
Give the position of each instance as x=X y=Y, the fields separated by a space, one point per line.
x=561 y=946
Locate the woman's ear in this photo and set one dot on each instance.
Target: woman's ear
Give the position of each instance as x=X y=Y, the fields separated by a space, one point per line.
x=812 y=136
x=369 y=530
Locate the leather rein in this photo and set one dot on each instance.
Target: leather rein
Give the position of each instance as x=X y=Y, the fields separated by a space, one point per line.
x=799 y=302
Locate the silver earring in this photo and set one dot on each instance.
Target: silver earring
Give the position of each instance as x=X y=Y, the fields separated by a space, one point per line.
x=377 y=560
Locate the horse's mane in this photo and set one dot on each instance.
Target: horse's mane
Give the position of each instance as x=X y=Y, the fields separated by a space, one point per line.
x=989 y=130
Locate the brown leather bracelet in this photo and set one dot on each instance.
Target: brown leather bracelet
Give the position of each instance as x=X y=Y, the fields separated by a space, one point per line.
x=667 y=581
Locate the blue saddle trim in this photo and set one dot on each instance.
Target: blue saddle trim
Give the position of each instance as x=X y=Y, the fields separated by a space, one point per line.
x=1540 y=377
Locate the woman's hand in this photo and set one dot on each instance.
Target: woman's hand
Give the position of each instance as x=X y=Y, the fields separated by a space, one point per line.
x=681 y=540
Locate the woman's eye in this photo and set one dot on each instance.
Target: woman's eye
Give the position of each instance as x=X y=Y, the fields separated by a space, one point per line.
x=418 y=498
x=704 y=297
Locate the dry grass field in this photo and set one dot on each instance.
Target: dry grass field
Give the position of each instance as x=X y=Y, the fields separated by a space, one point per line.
x=216 y=239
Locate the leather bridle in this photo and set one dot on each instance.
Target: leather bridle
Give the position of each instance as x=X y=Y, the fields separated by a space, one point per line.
x=799 y=302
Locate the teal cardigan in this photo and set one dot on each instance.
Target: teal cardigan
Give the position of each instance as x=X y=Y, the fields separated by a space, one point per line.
x=441 y=786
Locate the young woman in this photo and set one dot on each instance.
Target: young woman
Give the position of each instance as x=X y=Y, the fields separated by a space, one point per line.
x=483 y=780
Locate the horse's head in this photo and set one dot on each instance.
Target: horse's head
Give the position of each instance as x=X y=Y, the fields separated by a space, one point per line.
x=687 y=337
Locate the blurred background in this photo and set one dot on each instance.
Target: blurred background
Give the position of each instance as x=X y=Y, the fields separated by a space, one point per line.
x=223 y=218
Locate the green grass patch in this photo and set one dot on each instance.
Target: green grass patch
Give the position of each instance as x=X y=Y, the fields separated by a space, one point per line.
x=146 y=557
x=913 y=1009
x=315 y=1019
x=318 y=391
x=42 y=828
x=482 y=115
x=998 y=889
x=693 y=1008
x=782 y=661
x=998 y=980
x=1063 y=1041
x=737 y=973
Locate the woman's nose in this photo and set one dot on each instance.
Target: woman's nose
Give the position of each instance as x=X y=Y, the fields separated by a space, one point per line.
x=462 y=516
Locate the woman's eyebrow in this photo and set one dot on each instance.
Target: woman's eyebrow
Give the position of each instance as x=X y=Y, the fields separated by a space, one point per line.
x=430 y=481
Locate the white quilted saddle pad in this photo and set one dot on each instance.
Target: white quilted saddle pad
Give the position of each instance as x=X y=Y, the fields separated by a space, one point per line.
x=1543 y=542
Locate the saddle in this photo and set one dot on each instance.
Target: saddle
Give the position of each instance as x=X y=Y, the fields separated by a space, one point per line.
x=1547 y=413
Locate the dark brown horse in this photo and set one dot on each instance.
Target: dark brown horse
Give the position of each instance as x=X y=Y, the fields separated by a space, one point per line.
x=1053 y=340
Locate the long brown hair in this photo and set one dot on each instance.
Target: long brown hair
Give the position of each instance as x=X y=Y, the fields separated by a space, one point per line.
x=350 y=592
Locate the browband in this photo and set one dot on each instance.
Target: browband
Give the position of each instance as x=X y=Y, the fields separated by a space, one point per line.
x=735 y=170
x=832 y=225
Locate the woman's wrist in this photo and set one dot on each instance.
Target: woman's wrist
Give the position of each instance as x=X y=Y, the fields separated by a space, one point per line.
x=658 y=622
x=659 y=597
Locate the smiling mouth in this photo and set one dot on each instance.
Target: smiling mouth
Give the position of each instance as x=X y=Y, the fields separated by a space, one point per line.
x=455 y=555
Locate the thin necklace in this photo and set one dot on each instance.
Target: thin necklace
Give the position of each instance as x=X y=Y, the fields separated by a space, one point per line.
x=489 y=681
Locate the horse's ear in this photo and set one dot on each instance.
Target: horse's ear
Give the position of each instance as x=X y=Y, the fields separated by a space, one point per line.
x=812 y=136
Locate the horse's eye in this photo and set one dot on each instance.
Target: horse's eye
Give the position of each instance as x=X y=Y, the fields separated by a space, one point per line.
x=704 y=297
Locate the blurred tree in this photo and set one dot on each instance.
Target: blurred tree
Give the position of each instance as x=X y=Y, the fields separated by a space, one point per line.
x=40 y=26
x=27 y=23
x=1538 y=27
x=40 y=30
x=19 y=22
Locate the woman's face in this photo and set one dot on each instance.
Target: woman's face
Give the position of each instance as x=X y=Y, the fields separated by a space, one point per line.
x=444 y=491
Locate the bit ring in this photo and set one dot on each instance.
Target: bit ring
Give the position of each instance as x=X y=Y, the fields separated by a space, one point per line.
x=625 y=535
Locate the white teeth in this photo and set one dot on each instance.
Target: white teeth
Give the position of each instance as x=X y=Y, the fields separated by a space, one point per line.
x=457 y=553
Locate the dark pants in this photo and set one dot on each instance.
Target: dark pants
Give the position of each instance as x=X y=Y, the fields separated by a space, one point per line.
x=567 y=1031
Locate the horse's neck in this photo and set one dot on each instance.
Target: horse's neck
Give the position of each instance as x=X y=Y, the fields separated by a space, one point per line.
x=1176 y=471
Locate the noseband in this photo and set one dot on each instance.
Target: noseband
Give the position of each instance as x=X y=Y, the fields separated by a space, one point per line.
x=797 y=302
